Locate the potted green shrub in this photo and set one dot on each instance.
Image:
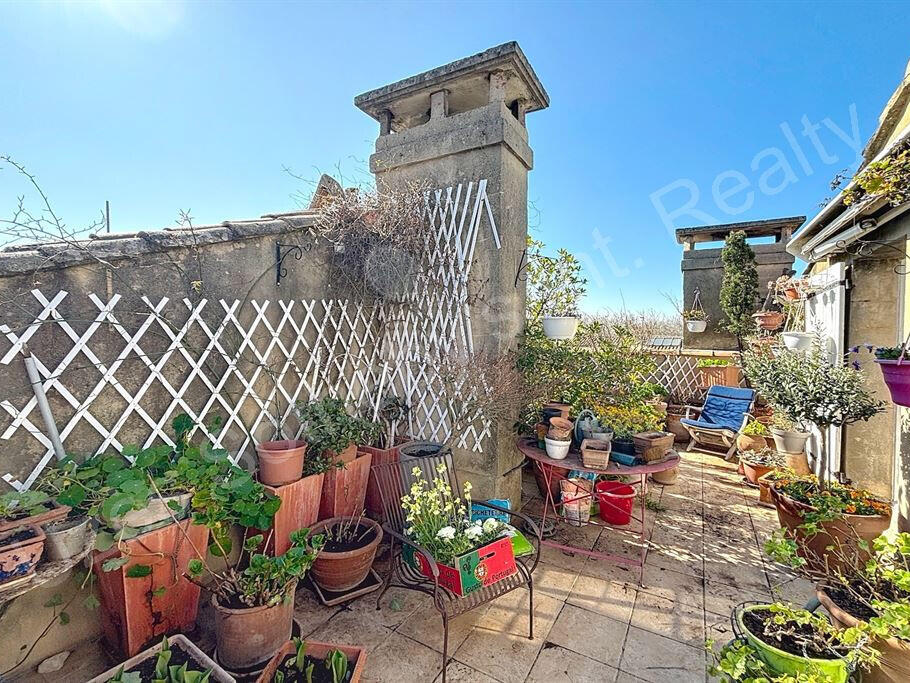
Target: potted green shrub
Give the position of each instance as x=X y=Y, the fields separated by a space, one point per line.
x=333 y=435
x=253 y=598
x=176 y=659
x=739 y=285
x=310 y=661
x=19 y=508
x=776 y=642
x=139 y=570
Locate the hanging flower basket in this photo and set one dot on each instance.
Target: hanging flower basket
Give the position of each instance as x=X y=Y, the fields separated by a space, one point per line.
x=696 y=325
x=896 y=373
x=797 y=341
x=560 y=327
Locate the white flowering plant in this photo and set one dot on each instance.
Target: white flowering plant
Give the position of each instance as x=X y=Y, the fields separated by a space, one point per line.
x=440 y=521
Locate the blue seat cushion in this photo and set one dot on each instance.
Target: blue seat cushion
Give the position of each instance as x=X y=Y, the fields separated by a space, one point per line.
x=705 y=424
x=725 y=407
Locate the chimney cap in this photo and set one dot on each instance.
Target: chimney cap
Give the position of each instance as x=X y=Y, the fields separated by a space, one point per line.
x=467 y=82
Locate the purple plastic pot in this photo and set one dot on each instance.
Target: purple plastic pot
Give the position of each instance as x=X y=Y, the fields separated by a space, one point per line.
x=897 y=376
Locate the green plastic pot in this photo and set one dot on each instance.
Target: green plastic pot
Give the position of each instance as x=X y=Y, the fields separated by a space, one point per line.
x=834 y=670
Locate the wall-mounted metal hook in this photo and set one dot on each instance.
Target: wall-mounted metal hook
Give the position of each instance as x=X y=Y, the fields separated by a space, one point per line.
x=282 y=251
x=522 y=268
x=863 y=248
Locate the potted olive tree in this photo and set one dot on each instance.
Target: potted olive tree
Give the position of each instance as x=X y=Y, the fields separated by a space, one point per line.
x=809 y=389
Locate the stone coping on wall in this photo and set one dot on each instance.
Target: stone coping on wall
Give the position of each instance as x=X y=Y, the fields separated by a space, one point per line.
x=20 y=259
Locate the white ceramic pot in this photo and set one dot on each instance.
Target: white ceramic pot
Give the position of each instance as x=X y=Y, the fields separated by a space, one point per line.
x=558 y=450
x=696 y=325
x=789 y=442
x=156 y=511
x=797 y=341
x=560 y=328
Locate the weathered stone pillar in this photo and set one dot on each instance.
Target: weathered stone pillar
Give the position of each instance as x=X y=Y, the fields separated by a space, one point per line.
x=458 y=124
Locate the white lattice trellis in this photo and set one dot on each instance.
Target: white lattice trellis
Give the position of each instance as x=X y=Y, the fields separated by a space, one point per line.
x=120 y=376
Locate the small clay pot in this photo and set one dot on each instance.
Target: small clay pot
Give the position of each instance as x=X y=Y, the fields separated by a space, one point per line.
x=281 y=462
x=344 y=570
x=753 y=471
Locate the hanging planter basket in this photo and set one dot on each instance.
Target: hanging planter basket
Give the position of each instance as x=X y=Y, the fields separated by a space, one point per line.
x=896 y=374
x=769 y=320
x=696 y=318
x=560 y=327
x=797 y=341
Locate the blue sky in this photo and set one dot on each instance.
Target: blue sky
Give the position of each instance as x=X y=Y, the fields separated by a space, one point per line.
x=199 y=106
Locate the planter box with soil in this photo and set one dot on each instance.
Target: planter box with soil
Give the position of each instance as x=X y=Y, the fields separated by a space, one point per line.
x=135 y=611
x=20 y=551
x=315 y=653
x=182 y=651
x=53 y=511
x=347 y=556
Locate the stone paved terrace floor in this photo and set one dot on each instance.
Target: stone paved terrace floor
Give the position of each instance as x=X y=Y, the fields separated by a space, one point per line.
x=592 y=621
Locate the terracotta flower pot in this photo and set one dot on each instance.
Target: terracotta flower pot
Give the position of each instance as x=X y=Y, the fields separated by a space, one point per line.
x=280 y=462
x=19 y=557
x=753 y=471
x=798 y=462
x=342 y=570
x=561 y=409
x=764 y=491
x=54 y=512
x=894 y=666
x=380 y=456
x=356 y=658
x=133 y=610
x=544 y=473
x=666 y=477
x=769 y=320
x=344 y=489
x=347 y=455
x=251 y=636
x=844 y=534
x=748 y=442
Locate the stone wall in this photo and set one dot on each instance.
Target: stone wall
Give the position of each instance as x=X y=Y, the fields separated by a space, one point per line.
x=702 y=269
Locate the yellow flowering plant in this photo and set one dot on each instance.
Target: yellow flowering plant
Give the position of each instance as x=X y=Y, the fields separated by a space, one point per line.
x=440 y=521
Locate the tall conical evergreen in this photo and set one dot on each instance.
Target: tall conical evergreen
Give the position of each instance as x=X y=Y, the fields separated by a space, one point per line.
x=739 y=290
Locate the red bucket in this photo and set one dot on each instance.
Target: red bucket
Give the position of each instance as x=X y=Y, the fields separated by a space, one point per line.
x=616 y=501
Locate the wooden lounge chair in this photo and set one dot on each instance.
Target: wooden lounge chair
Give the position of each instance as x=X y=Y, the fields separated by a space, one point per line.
x=725 y=412
x=394 y=480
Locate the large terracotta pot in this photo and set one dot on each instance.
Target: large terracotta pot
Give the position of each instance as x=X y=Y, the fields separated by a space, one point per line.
x=769 y=320
x=380 y=456
x=344 y=489
x=344 y=570
x=356 y=658
x=746 y=442
x=894 y=666
x=346 y=455
x=249 y=637
x=544 y=472
x=134 y=612
x=280 y=462
x=843 y=533
x=798 y=462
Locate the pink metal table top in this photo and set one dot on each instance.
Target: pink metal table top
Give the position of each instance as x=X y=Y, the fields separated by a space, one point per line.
x=572 y=461
x=547 y=466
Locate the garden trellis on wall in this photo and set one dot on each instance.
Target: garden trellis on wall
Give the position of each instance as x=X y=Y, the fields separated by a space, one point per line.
x=120 y=375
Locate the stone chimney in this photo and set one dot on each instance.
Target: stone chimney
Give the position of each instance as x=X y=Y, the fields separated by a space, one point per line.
x=464 y=124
